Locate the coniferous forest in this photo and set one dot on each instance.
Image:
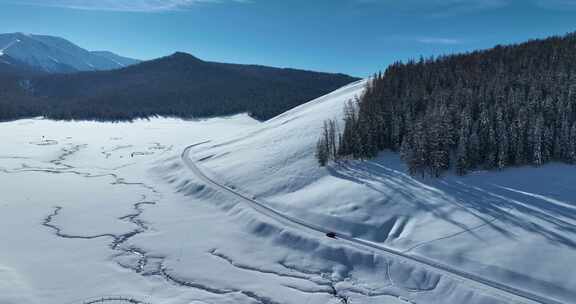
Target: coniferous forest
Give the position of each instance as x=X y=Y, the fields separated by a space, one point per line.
x=179 y=85
x=508 y=106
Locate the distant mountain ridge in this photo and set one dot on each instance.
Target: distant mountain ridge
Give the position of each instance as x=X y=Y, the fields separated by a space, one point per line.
x=179 y=85
x=57 y=55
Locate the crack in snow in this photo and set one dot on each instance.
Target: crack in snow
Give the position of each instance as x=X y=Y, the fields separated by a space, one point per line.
x=115 y=299
x=230 y=261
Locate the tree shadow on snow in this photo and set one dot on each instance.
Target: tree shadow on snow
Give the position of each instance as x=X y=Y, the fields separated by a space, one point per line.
x=541 y=201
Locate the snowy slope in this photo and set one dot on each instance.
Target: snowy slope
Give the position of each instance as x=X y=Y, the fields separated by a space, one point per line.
x=54 y=54
x=93 y=221
x=13 y=67
x=120 y=61
x=116 y=212
x=517 y=226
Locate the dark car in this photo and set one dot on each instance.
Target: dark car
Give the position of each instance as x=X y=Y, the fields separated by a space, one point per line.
x=331 y=234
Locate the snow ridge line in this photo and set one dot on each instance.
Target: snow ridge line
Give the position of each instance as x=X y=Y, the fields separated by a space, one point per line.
x=459 y=275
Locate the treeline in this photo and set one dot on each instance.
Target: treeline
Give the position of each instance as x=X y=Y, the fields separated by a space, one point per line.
x=180 y=85
x=507 y=106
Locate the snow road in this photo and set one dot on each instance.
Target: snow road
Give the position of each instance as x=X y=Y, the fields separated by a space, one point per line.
x=478 y=282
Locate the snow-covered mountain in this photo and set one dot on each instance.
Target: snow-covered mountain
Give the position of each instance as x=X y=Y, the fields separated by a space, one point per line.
x=14 y=67
x=57 y=55
x=163 y=211
x=115 y=58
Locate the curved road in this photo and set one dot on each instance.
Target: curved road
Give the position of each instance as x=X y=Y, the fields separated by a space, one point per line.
x=511 y=293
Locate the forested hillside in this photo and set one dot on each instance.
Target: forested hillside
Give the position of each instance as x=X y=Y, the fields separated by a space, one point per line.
x=180 y=85
x=508 y=106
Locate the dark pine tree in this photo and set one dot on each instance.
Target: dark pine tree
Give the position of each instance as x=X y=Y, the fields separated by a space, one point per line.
x=508 y=106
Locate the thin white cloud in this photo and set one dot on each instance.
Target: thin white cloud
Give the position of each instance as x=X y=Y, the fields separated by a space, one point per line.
x=122 y=5
x=439 y=6
x=451 y=7
x=443 y=8
x=434 y=40
x=472 y=4
x=556 y=4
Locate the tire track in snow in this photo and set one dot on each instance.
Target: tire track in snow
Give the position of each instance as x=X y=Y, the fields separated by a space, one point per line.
x=489 y=286
x=471 y=229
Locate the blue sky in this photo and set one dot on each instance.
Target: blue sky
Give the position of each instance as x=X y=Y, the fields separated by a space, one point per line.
x=358 y=37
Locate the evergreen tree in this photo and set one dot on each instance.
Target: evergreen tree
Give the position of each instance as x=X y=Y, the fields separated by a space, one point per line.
x=509 y=106
x=572 y=145
x=462 y=163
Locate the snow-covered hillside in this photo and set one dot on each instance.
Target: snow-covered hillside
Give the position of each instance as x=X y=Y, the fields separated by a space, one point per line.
x=167 y=212
x=54 y=54
x=517 y=226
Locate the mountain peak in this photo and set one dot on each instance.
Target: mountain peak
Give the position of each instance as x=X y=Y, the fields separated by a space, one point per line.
x=21 y=34
x=57 y=55
x=183 y=55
